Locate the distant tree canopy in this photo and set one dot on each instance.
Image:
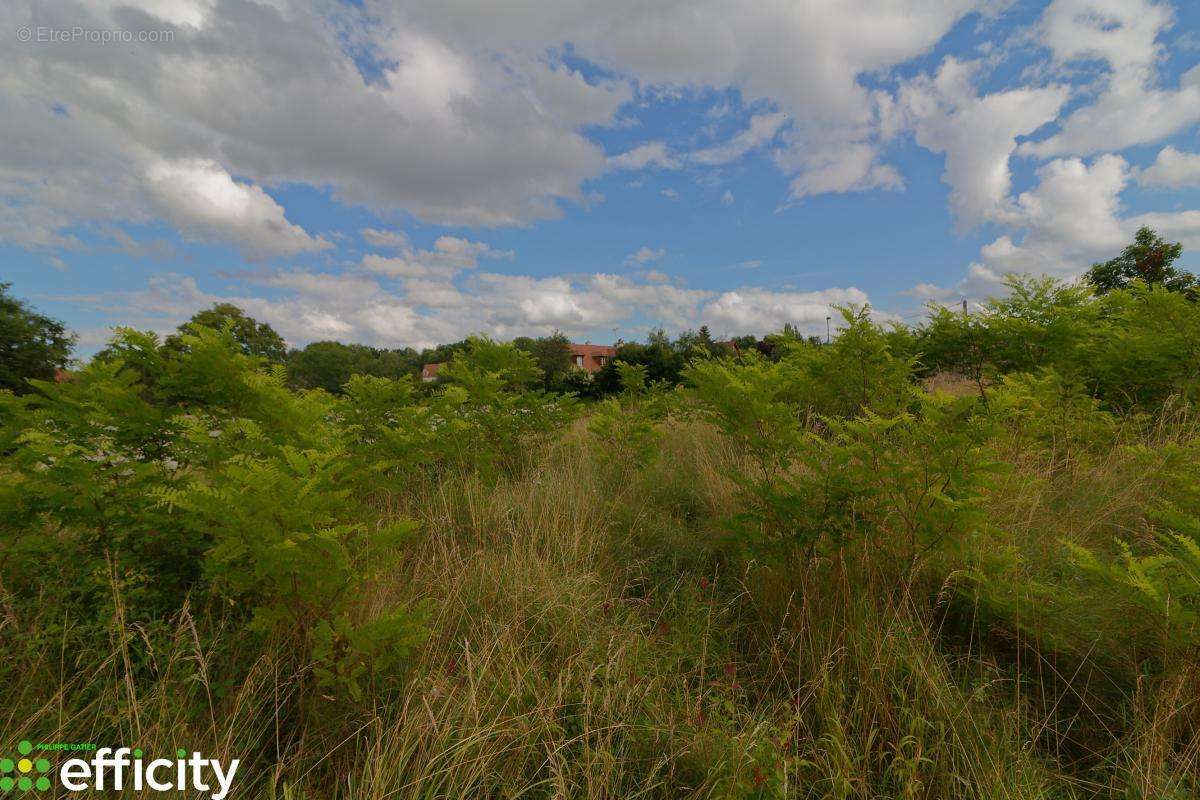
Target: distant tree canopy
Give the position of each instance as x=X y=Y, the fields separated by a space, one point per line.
x=442 y=353
x=663 y=360
x=1149 y=258
x=329 y=365
x=256 y=338
x=485 y=360
x=32 y=345
x=552 y=354
x=1038 y=322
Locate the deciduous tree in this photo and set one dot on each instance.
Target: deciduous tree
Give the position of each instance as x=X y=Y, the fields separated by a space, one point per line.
x=32 y=345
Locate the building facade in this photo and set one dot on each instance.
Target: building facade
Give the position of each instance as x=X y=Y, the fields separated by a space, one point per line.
x=591 y=357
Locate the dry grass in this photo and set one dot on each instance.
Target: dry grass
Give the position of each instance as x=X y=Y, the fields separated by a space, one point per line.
x=591 y=637
x=952 y=384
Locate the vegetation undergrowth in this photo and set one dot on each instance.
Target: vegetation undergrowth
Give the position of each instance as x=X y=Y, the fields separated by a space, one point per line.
x=810 y=574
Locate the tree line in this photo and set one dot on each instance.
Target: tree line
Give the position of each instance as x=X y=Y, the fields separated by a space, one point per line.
x=35 y=346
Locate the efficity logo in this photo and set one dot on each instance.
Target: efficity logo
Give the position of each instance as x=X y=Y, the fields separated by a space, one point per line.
x=110 y=769
x=25 y=773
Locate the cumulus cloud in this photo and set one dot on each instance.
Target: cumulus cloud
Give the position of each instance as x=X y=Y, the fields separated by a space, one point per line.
x=759 y=132
x=466 y=253
x=931 y=292
x=1071 y=218
x=827 y=45
x=398 y=311
x=755 y=310
x=206 y=204
x=378 y=237
x=698 y=42
x=462 y=113
x=468 y=114
x=646 y=254
x=977 y=134
x=1172 y=169
x=846 y=167
x=1181 y=226
x=443 y=129
x=1131 y=108
x=650 y=154
x=484 y=125
x=449 y=256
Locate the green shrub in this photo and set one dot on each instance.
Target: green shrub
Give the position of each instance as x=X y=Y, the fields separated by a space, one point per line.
x=1147 y=349
x=163 y=476
x=909 y=480
x=626 y=425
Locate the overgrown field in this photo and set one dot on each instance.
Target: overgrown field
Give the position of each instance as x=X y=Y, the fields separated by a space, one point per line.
x=960 y=561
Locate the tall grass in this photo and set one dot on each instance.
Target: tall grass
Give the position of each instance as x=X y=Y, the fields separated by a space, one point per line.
x=593 y=634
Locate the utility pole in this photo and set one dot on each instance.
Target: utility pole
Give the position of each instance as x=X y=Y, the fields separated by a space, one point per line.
x=965 y=307
x=827 y=339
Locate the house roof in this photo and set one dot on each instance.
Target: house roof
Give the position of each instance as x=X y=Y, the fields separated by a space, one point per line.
x=593 y=350
x=431 y=370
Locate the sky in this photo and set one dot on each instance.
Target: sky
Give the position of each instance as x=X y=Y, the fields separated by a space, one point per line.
x=408 y=173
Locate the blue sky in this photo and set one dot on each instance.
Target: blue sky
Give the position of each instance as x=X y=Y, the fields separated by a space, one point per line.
x=403 y=174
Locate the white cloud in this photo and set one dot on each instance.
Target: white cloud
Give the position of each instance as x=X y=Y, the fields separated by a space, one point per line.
x=1073 y=216
x=384 y=238
x=646 y=254
x=727 y=198
x=464 y=252
x=193 y=13
x=1121 y=32
x=931 y=292
x=466 y=114
x=760 y=132
x=450 y=255
x=446 y=131
x=207 y=204
x=1172 y=169
x=1130 y=108
x=758 y=310
x=1077 y=203
x=650 y=154
x=977 y=134
x=826 y=44
x=1071 y=219
x=396 y=267
x=1181 y=226
x=357 y=307
x=846 y=167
